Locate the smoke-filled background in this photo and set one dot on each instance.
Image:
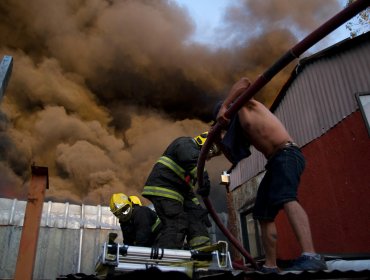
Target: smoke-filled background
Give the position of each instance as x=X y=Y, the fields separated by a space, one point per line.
x=99 y=88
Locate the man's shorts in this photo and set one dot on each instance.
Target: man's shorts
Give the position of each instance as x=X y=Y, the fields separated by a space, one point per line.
x=280 y=183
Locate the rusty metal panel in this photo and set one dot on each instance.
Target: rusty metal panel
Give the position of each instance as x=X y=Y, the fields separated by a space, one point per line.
x=320 y=94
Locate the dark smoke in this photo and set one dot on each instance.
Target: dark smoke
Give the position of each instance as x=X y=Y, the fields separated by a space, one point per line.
x=100 y=88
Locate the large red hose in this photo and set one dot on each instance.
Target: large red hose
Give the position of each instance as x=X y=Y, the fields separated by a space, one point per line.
x=226 y=232
x=329 y=26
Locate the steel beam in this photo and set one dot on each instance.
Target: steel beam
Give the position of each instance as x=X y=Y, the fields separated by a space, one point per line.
x=6 y=66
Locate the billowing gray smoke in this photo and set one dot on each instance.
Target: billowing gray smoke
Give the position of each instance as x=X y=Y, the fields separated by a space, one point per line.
x=100 y=87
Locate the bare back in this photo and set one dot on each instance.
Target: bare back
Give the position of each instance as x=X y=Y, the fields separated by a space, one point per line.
x=264 y=130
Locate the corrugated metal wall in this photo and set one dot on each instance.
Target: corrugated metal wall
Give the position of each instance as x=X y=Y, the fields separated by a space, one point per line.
x=318 y=98
x=70 y=237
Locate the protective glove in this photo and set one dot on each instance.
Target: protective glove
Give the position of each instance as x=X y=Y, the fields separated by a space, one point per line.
x=202 y=215
x=205 y=218
x=207 y=221
x=206 y=188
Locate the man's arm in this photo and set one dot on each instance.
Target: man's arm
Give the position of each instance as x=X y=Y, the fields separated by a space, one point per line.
x=236 y=90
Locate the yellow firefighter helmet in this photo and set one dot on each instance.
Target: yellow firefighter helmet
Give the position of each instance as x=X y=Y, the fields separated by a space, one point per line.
x=135 y=200
x=121 y=206
x=201 y=138
x=213 y=151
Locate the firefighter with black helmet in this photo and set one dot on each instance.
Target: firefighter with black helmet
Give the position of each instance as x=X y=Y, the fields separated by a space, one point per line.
x=140 y=225
x=170 y=187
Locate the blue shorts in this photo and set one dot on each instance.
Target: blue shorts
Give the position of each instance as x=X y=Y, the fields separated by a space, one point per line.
x=280 y=183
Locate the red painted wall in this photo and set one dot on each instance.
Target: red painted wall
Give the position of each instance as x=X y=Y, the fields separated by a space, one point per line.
x=335 y=191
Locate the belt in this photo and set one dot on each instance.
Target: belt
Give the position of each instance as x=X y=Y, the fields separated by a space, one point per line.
x=289 y=144
x=285 y=145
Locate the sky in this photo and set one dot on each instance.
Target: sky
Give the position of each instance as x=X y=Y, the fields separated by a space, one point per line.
x=99 y=88
x=208 y=17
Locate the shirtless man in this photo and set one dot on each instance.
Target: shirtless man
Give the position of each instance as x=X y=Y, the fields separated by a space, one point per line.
x=278 y=189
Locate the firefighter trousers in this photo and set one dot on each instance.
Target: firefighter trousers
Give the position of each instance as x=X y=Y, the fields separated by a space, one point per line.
x=181 y=222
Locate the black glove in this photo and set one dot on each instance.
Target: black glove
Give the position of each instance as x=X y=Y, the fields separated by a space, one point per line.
x=206 y=188
x=205 y=219
x=202 y=215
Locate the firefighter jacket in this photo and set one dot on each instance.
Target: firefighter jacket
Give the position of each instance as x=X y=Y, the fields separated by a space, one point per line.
x=174 y=174
x=142 y=228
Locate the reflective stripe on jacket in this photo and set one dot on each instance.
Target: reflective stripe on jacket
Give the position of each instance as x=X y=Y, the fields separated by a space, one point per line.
x=179 y=170
x=165 y=192
x=156 y=224
x=174 y=174
x=161 y=191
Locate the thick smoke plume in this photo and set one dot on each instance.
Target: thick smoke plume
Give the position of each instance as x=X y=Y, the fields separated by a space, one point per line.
x=99 y=88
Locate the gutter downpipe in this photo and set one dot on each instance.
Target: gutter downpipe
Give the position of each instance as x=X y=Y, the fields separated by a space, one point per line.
x=310 y=40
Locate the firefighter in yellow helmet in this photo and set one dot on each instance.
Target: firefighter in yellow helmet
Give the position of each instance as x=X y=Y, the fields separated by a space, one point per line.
x=214 y=150
x=170 y=187
x=140 y=225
